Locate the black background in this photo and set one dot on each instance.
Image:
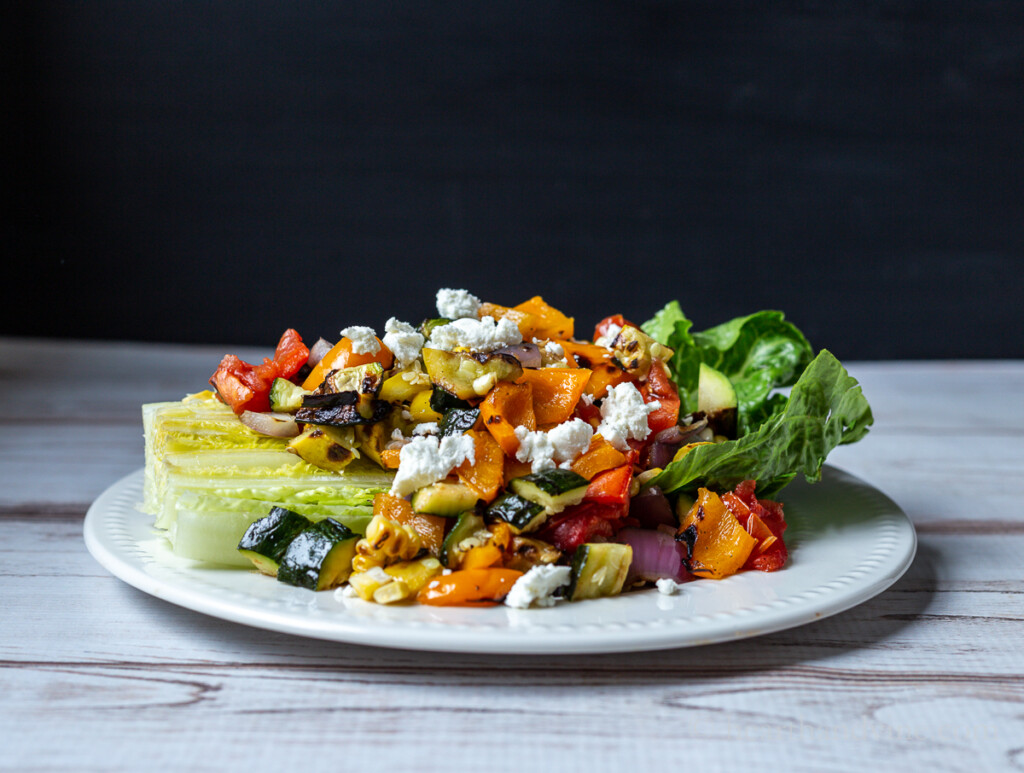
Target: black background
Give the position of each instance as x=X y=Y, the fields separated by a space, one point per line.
x=218 y=172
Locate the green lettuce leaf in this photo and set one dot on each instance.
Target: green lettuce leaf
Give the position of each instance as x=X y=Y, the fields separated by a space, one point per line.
x=825 y=408
x=671 y=328
x=758 y=353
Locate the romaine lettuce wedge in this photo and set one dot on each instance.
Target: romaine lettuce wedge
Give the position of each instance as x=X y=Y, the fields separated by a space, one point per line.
x=825 y=408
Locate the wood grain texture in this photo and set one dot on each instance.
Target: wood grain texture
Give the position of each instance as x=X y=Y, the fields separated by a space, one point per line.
x=99 y=676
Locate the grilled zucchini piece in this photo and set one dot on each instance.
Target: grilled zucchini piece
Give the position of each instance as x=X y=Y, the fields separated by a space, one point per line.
x=458 y=420
x=266 y=541
x=469 y=374
x=554 y=490
x=469 y=523
x=520 y=514
x=599 y=569
x=442 y=401
x=357 y=386
x=285 y=396
x=320 y=556
x=444 y=498
x=716 y=397
x=428 y=325
x=331 y=448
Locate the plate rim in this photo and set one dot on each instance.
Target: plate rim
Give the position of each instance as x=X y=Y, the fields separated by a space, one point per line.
x=126 y=558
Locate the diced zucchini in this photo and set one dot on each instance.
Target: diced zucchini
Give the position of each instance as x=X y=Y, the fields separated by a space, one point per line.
x=520 y=514
x=266 y=541
x=285 y=396
x=716 y=397
x=458 y=420
x=469 y=523
x=444 y=498
x=320 y=556
x=330 y=448
x=428 y=325
x=442 y=401
x=469 y=374
x=399 y=389
x=554 y=489
x=599 y=569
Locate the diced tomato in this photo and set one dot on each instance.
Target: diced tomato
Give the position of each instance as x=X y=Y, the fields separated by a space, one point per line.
x=607 y=322
x=246 y=387
x=581 y=523
x=743 y=505
x=611 y=487
x=661 y=388
x=291 y=354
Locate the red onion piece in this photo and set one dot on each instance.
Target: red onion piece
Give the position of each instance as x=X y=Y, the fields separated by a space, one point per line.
x=317 y=351
x=528 y=354
x=270 y=424
x=655 y=555
x=657 y=454
x=652 y=509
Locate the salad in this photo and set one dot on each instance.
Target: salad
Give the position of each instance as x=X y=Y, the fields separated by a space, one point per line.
x=493 y=454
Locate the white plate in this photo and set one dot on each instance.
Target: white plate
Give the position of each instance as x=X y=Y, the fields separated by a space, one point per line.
x=847 y=543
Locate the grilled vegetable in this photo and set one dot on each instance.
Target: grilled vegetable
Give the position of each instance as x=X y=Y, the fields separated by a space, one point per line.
x=469 y=523
x=554 y=490
x=599 y=569
x=520 y=514
x=345 y=415
x=285 y=396
x=469 y=374
x=444 y=498
x=428 y=325
x=716 y=397
x=635 y=350
x=266 y=541
x=358 y=386
x=331 y=448
x=320 y=556
x=443 y=401
x=458 y=420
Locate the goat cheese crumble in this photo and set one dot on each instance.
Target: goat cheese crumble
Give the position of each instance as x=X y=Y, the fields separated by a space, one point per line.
x=403 y=340
x=624 y=415
x=364 y=339
x=559 y=445
x=426 y=460
x=476 y=335
x=456 y=304
x=667 y=586
x=610 y=334
x=537 y=586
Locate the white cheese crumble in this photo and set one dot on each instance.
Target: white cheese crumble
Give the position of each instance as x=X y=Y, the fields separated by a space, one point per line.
x=364 y=339
x=667 y=586
x=559 y=445
x=477 y=335
x=537 y=586
x=426 y=460
x=426 y=428
x=456 y=304
x=554 y=349
x=346 y=591
x=610 y=334
x=624 y=415
x=403 y=340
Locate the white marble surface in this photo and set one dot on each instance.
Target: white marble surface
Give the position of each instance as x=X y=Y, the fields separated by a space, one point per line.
x=98 y=676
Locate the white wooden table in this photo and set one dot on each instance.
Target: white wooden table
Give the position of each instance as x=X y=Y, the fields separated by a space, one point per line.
x=95 y=675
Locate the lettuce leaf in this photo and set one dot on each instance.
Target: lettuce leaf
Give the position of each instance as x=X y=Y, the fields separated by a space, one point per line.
x=825 y=408
x=758 y=353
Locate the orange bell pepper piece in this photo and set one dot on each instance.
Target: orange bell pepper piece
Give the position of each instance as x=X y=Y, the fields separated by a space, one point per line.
x=605 y=371
x=389 y=458
x=506 y=407
x=342 y=356
x=515 y=468
x=555 y=391
x=599 y=456
x=487 y=472
x=481 y=557
x=611 y=487
x=429 y=527
x=720 y=543
x=469 y=588
x=551 y=323
x=525 y=321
